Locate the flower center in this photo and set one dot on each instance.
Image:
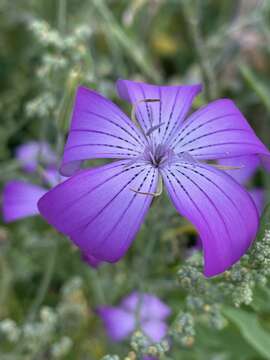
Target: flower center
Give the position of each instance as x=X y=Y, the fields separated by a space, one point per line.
x=158 y=155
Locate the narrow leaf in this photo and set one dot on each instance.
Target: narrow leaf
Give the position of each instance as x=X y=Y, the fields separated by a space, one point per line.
x=251 y=330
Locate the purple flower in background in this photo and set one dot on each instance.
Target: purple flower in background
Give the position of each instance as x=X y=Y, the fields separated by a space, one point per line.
x=20 y=198
x=101 y=209
x=33 y=152
x=242 y=170
x=245 y=168
x=138 y=310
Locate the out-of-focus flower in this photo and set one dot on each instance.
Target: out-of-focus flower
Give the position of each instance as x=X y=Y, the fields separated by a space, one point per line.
x=10 y=330
x=245 y=168
x=32 y=153
x=20 y=198
x=102 y=209
x=242 y=169
x=138 y=310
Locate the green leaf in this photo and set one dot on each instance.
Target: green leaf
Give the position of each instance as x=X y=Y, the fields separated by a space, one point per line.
x=251 y=330
x=226 y=341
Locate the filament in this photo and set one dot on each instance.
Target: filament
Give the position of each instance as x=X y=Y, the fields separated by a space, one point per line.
x=134 y=118
x=225 y=167
x=155 y=194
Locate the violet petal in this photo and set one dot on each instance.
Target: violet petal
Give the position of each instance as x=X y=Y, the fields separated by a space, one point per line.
x=118 y=323
x=217 y=130
x=155 y=329
x=20 y=200
x=30 y=153
x=99 y=129
x=150 y=305
x=170 y=111
x=221 y=210
x=100 y=209
x=247 y=167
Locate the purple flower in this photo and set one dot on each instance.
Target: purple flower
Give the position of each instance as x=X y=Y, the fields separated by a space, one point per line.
x=33 y=152
x=20 y=200
x=20 y=197
x=138 y=310
x=101 y=209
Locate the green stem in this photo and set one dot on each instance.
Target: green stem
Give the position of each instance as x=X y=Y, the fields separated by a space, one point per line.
x=133 y=49
x=62 y=12
x=97 y=287
x=262 y=91
x=190 y=12
x=44 y=286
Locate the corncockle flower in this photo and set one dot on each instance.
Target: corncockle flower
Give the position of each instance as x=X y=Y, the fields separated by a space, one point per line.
x=33 y=152
x=138 y=310
x=101 y=209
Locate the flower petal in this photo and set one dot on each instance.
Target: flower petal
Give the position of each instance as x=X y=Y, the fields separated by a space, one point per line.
x=100 y=209
x=91 y=260
x=217 y=130
x=29 y=155
x=52 y=176
x=99 y=129
x=171 y=109
x=258 y=196
x=118 y=323
x=20 y=200
x=151 y=307
x=155 y=329
x=221 y=210
x=247 y=167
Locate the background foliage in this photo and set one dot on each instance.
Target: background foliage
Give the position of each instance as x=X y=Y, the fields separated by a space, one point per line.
x=48 y=295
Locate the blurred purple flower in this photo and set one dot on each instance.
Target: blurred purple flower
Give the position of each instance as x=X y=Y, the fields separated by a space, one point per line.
x=20 y=197
x=33 y=152
x=248 y=165
x=102 y=209
x=20 y=200
x=138 y=310
x=243 y=168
